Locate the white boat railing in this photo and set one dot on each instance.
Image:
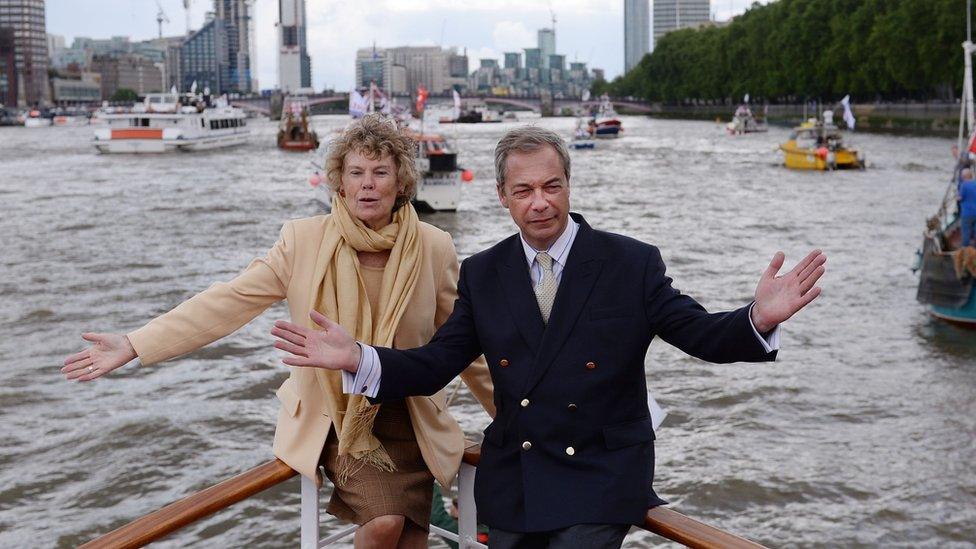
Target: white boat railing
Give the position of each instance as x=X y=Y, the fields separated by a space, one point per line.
x=466 y=538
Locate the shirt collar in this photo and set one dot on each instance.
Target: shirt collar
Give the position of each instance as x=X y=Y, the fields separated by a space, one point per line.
x=559 y=249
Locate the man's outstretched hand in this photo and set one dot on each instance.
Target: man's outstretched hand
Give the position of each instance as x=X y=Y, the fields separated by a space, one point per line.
x=780 y=297
x=331 y=347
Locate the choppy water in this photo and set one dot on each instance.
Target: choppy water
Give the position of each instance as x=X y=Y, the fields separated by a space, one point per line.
x=861 y=434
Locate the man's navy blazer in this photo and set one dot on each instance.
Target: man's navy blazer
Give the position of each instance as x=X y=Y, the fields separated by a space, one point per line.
x=572 y=441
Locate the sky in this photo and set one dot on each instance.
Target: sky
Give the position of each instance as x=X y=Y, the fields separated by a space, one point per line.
x=586 y=30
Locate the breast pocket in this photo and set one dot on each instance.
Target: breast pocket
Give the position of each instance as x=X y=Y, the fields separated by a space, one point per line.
x=290 y=400
x=621 y=435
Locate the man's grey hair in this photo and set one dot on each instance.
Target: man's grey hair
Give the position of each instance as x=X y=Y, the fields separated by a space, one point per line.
x=528 y=139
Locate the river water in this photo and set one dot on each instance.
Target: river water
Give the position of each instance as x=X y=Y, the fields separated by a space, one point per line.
x=860 y=434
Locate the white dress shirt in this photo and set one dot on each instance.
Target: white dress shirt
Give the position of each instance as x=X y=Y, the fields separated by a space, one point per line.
x=366 y=380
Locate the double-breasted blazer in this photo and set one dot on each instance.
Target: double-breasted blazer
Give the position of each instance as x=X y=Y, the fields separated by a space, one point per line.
x=572 y=441
x=293 y=270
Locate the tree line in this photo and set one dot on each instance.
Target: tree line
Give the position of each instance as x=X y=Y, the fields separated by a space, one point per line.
x=798 y=50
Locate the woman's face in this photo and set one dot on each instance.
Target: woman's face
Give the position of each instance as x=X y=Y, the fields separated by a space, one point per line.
x=369 y=187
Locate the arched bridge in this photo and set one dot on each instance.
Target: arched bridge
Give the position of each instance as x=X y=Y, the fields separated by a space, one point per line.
x=262 y=105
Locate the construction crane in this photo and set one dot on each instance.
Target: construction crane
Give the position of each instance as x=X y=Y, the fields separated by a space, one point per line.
x=161 y=17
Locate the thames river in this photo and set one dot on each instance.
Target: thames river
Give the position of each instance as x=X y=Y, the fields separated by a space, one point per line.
x=860 y=434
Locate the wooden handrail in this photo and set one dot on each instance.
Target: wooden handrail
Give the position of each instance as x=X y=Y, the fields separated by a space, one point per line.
x=659 y=520
x=192 y=508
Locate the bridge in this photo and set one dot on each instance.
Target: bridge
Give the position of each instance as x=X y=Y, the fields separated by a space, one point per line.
x=262 y=105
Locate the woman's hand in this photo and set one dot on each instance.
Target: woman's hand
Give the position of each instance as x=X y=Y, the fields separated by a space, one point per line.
x=331 y=348
x=107 y=352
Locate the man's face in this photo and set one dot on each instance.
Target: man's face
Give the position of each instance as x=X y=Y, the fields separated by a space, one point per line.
x=536 y=194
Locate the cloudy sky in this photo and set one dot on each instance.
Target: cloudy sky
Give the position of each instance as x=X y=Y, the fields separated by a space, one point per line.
x=586 y=30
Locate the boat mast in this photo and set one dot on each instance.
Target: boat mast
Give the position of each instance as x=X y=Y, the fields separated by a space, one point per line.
x=966 y=116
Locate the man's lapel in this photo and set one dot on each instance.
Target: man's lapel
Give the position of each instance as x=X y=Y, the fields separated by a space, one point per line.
x=517 y=288
x=580 y=274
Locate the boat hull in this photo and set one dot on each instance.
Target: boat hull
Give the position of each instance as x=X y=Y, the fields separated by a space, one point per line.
x=797 y=158
x=150 y=145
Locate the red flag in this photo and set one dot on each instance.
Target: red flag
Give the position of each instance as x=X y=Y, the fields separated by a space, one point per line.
x=421 y=98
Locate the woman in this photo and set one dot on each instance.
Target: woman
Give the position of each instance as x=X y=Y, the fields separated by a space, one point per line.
x=389 y=279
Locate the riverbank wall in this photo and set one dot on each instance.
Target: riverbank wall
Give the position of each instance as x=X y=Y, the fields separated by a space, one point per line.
x=914 y=118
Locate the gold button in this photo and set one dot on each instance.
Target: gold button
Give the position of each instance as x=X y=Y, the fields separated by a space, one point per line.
x=572 y=407
x=525 y=402
x=590 y=365
x=526 y=445
x=503 y=363
x=570 y=451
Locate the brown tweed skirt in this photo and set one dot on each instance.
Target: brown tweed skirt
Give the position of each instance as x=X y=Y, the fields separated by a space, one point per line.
x=370 y=492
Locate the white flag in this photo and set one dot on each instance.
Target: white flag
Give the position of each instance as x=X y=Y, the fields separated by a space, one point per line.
x=848 y=115
x=457 y=104
x=586 y=96
x=357 y=104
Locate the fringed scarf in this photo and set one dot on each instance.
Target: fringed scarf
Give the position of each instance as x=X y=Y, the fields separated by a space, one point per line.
x=342 y=297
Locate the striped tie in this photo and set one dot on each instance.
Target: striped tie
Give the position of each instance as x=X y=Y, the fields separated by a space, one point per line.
x=545 y=291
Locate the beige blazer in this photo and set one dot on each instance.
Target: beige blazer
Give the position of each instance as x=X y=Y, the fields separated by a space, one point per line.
x=293 y=270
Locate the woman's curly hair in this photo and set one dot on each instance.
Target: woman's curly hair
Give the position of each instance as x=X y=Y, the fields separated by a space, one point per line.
x=374 y=136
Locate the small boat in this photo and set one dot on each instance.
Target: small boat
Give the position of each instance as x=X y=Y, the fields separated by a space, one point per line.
x=477 y=112
x=819 y=145
x=439 y=186
x=947 y=267
x=743 y=121
x=71 y=117
x=36 y=119
x=605 y=123
x=582 y=139
x=167 y=122
x=294 y=133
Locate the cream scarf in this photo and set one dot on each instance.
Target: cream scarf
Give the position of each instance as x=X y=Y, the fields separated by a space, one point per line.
x=342 y=297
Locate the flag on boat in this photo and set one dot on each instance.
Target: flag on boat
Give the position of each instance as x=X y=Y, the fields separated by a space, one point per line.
x=457 y=104
x=586 y=96
x=848 y=115
x=421 y=98
x=357 y=104
x=746 y=98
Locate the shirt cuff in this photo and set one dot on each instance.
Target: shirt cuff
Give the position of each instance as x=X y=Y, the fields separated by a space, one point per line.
x=366 y=380
x=770 y=343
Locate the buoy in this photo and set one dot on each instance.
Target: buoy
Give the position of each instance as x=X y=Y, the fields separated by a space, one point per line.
x=315 y=180
x=467 y=176
x=822 y=153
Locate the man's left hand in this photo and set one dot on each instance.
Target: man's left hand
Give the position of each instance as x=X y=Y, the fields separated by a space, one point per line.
x=780 y=297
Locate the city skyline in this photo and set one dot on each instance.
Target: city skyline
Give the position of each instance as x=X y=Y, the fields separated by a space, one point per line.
x=336 y=29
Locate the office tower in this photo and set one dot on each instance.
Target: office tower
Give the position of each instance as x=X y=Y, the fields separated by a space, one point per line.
x=204 y=59
x=637 y=32
x=547 y=45
x=671 y=15
x=294 y=63
x=237 y=18
x=25 y=19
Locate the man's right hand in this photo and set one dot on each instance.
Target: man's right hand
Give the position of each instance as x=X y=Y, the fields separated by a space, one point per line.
x=331 y=348
x=107 y=352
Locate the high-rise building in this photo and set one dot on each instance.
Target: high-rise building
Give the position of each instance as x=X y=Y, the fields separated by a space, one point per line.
x=127 y=71
x=426 y=66
x=533 y=58
x=547 y=45
x=26 y=19
x=374 y=65
x=294 y=63
x=637 y=32
x=671 y=15
x=204 y=59
x=237 y=17
x=8 y=68
x=513 y=60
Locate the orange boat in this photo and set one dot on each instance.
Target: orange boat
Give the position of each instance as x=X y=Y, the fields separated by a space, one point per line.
x=294 y=133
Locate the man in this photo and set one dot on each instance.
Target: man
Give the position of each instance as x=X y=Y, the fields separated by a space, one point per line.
x=967 y=207
x=564 y=314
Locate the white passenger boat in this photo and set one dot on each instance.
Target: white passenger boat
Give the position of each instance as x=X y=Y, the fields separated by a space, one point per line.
x=167 y=122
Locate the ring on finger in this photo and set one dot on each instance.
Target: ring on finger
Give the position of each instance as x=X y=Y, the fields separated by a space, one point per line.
x=91 y=369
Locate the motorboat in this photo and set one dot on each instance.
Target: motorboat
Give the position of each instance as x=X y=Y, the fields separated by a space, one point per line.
x=295 y=132
x=819 y=145
x=744 y=121
x=168 y=122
